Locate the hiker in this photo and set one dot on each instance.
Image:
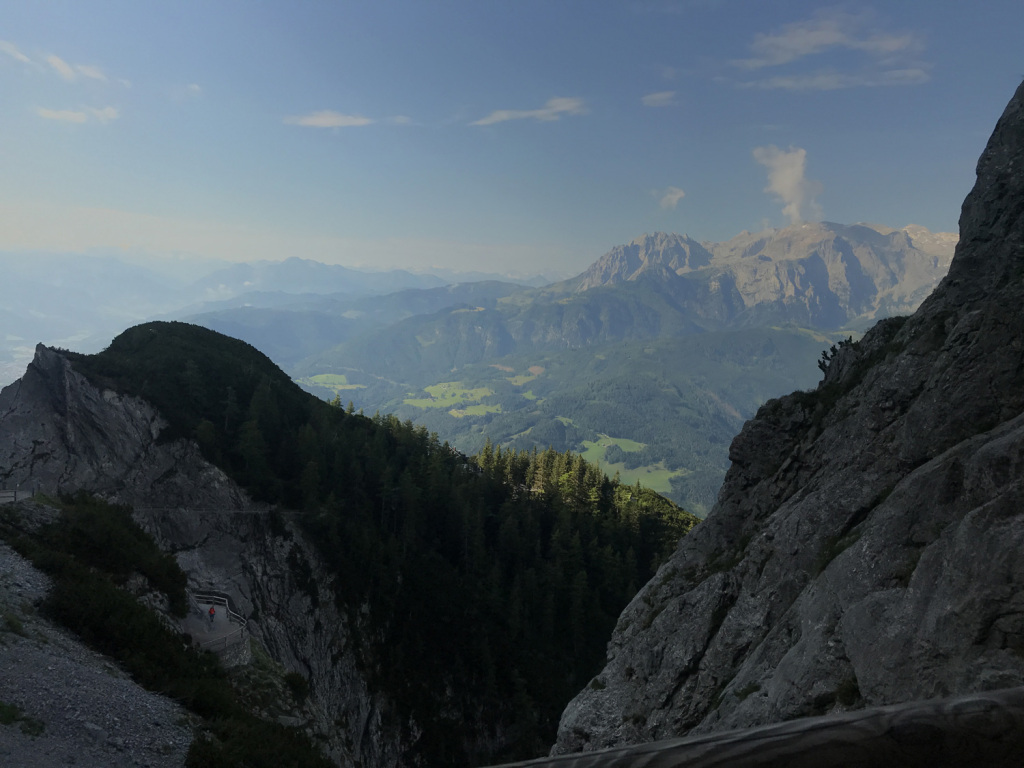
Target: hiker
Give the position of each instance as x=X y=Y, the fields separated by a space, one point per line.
x=213 y=613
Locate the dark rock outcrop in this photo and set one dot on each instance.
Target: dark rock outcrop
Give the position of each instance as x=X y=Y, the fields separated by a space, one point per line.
x=865 y=546
x=59 y=432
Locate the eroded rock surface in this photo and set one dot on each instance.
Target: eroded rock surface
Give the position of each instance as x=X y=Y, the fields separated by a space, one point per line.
x=59 y=432
x=865 y=546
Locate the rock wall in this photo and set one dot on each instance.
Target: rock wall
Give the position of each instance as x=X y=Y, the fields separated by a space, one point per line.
x=60 y=433
x=864 y=547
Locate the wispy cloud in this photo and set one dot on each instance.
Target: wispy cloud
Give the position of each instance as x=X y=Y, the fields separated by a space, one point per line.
x=659 y=99
x=833 y=81
x=12 y=50
x=62 y=68
x=327 y=118
x=553 y=110
x=104 y=115
x=64 y=115
x=93 y=73
x=670 y=197
x=73 y=72
x=886 y=58
x=788 y=182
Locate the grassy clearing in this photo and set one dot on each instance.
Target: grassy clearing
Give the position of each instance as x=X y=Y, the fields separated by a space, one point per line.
x=450 y=395
x=604 y=442
x=475 y=410
x=333 y=381
x=518 y=381
x=656 y=476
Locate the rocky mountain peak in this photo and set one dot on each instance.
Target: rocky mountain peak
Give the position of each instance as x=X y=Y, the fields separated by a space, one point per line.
x=660 y=253
x=864 y=549
x=816 y=274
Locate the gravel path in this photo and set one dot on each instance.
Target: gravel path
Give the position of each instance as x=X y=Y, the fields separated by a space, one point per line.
x=76 y=707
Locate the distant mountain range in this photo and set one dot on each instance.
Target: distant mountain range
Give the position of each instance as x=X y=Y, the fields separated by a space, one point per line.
x=820 y=275
x=81 y=301
x=647 y=360
x=519 y=369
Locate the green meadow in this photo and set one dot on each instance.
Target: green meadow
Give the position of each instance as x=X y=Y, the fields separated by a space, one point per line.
x=337 y=382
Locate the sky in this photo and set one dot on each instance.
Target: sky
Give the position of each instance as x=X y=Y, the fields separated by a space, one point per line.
x=522 y=137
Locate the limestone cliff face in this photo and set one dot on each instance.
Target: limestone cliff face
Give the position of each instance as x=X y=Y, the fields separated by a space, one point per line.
x=865 y=546
x=817 y=274
x=58 y=432
x=61 y=433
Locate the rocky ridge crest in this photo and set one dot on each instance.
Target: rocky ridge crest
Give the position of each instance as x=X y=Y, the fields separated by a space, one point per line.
x=822 y=274
x=864 y=547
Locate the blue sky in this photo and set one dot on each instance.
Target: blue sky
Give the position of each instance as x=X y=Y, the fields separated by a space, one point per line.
x=499 y=136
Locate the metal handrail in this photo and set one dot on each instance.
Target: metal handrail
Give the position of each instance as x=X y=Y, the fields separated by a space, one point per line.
x=202 y=597
x=227 y=640
x=9 y=497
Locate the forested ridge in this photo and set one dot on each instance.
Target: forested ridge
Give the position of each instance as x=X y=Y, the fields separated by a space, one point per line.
x=485 y=588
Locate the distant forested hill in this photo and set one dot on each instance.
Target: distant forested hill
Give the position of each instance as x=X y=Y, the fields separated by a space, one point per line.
x=661 y=411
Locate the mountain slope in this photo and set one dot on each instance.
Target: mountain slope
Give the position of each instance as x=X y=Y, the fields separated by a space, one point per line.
x=865 y=545
x=289 y=328
x=661 y=293
x=442 y=608
x=819 y=275
x=662 y=411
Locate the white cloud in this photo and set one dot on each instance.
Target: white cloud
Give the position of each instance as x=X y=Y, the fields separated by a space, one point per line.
x=62 y=68
x=93 y=73
x=65 y=115
x=884 y=58
x=328 y=119
x=194 y=88
x=12 y=50
x=827 y=30
x=659 y=99
x=104 y=115
x=552 y=110
x=671 y=196
x=787 y=181
x=833 y=81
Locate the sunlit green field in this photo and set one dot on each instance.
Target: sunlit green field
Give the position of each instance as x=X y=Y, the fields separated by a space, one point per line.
x=456 y=399
x=333 y=381
x=655 y=477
